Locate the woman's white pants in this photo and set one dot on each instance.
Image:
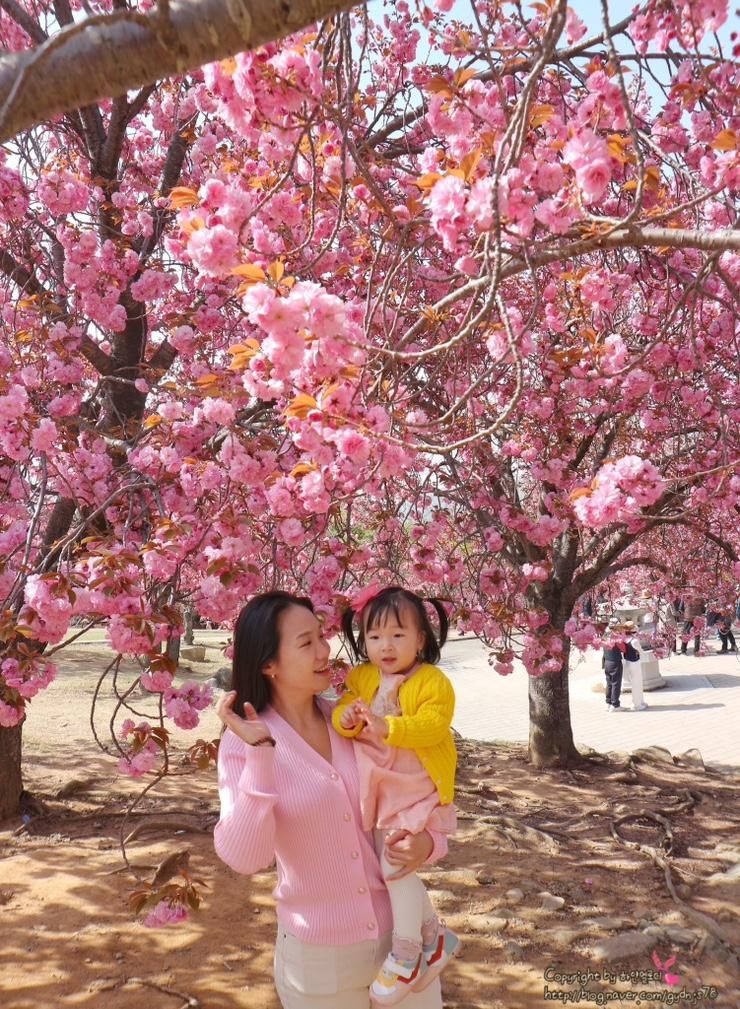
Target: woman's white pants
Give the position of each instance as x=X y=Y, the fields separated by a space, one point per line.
x=336 y=977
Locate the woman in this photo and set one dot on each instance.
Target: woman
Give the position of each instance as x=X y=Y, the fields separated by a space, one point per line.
x=616 y=650
x=289 y=792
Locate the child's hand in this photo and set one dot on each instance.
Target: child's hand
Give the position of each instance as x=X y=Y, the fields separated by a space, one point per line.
x=349 y=719
x=376 y=728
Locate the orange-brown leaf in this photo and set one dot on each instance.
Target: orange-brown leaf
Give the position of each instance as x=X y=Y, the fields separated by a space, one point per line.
x=469 y=164
x=249 y=346
x=463 y=76
x=618 y=145
x=276 y=270
x=242 y=353
x=428 y=180
x=439 y=86
x=194 y=224
x=250 y=272
x=304 y=467
x=300 y=406
x=540 y=114
x=652 y=177
x=726 y=140
x=183 y=196
x=579 y=492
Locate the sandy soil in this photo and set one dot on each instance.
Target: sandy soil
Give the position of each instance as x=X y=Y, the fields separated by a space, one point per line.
x=68 y=938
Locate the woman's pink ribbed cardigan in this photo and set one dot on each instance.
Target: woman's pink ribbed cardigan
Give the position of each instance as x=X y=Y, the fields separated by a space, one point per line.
x=287 y=804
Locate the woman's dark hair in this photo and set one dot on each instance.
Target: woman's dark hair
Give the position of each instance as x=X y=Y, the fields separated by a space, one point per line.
x=256 y=642
x=392 y=601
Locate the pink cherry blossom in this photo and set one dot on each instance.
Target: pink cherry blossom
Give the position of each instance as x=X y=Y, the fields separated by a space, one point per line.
x=10 y=715
x=447 y=207
x=213 y=250
x=588 y=155
x=440 y=260
x=157 y=681
x=183 y=703
x=165 y=913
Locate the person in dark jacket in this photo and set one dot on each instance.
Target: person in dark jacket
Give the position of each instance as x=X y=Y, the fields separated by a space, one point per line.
x=694 y=609
x=724 y=629
x=615 y=652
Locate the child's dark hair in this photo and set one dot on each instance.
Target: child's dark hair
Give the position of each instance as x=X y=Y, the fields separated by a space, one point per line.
x=391 y=601
x=256 y=642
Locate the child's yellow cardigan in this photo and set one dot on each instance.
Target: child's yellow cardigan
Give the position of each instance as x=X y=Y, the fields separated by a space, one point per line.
x=427 y=703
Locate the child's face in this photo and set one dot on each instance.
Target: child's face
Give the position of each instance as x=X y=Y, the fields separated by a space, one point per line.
x=392 y=645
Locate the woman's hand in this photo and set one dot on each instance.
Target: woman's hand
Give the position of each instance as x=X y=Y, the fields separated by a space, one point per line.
x=250 y=728
x=407 y=851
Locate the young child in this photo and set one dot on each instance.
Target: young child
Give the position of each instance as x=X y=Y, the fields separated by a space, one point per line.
x=399 y=707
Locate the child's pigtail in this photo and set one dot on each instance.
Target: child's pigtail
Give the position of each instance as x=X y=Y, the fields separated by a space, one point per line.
x=444 y=620
x=347 y=626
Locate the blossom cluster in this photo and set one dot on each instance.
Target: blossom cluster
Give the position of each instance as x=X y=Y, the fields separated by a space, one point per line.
x=619 y=492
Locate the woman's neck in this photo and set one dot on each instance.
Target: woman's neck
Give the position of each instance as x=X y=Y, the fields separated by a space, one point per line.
x=299 y=711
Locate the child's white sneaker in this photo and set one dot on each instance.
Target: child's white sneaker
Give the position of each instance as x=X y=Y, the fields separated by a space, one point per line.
x=395 y=979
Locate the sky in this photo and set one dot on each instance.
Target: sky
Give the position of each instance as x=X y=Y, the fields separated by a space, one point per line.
x=589 y=11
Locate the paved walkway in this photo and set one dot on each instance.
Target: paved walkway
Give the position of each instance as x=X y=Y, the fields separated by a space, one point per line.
x=699 y=706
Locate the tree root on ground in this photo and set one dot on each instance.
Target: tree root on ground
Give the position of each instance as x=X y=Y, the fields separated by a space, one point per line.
x=191 y=1002
x=509 y=826
x=704 y=921
x=151 y=826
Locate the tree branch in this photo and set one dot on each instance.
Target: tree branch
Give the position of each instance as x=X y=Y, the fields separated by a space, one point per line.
x=406 y=119
x=181 y=140
x=28 y=283
x=618 y=238
x=24 y=20
x=162 y=358
x=722 y=543
x=127 y=50
x=632 y=562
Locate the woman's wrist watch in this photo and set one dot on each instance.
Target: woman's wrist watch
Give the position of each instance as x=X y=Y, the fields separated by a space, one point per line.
x=265 y=741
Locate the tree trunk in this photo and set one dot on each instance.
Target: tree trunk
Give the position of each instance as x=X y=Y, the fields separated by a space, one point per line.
x=173 y=650
x=188 y=621
x=11 y=780
x=550 y=734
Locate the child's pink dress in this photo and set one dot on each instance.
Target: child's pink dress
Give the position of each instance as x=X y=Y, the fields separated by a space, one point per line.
x=396 y=791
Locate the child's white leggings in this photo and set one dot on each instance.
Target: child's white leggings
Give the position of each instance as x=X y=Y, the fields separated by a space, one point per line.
x=410 y=904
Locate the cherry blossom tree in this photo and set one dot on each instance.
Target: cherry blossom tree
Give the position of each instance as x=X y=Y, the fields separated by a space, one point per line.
x=444 y=302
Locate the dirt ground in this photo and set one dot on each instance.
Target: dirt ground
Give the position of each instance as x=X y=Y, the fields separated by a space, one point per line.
x=536 y=882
